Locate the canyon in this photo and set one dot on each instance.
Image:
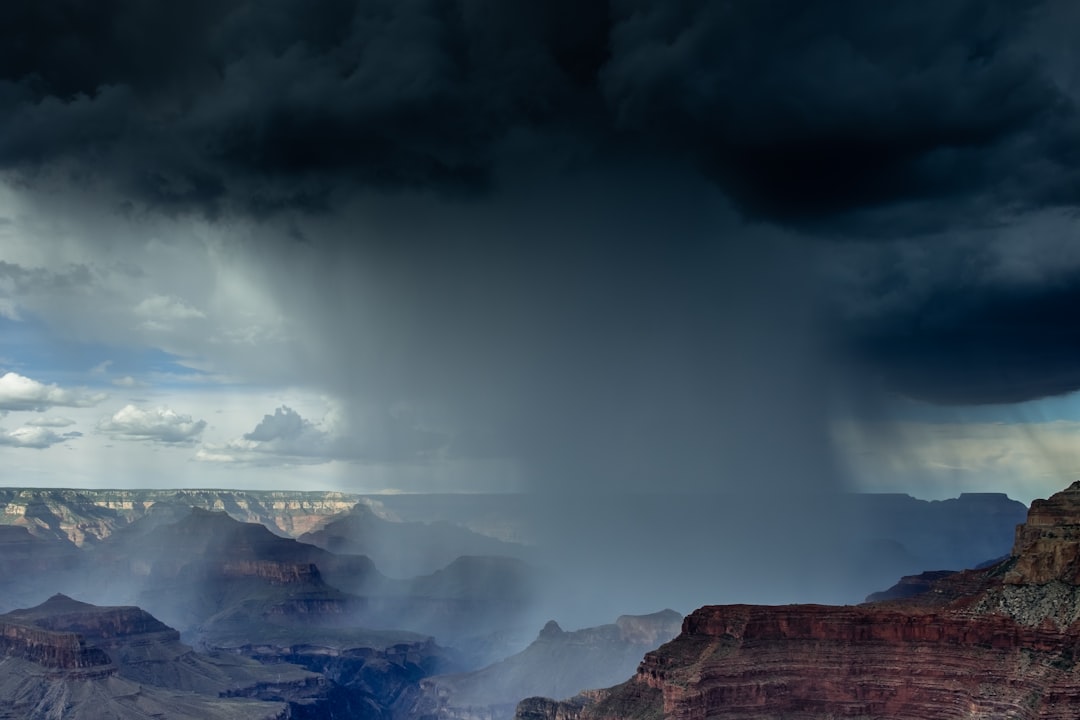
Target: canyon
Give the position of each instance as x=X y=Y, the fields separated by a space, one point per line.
x=997 y=642
x=198 y=592
x=557 y=663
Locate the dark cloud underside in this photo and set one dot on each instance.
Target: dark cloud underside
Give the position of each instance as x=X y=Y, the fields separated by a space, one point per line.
x=801 y=112
x=831 y=118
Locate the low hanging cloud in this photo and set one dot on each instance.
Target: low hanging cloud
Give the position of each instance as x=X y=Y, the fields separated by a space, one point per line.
x=37 y=438
x=18 y=392
x=288 y=437
x=156 y=424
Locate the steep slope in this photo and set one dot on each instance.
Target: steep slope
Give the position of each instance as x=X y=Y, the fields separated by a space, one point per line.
x=50 y=669
x=30 y=692
x=1000 y=642
x=207 y=567
x=145 y=650
x=557 y=663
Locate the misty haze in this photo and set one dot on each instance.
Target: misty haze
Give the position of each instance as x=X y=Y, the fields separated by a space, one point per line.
x=547 y=360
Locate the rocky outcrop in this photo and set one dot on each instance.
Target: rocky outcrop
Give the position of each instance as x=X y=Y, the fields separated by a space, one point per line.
x=54 y=650
x=369 y=669
x=170 y=567
x=1001 y=642
x=541 y=708
x=124 y=652
x=1047 y=546
x=557 y=663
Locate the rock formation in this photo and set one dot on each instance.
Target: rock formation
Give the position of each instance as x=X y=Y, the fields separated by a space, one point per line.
x=69 y=659
x=557 y=663
x=85 y=517
x=1000 y=642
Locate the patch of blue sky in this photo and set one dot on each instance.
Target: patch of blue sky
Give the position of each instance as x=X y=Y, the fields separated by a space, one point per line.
x=29 y=348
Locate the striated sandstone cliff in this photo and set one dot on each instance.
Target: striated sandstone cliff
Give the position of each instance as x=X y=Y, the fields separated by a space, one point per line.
x=89 y=516
x=1001 y=642
x=79 y=660
x=54 y=650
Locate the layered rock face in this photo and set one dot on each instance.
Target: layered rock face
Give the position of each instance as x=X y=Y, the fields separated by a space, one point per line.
x=1047 y=546
x=1001 y=642
x=65 y=658
x=86 y=517
x=55 y=650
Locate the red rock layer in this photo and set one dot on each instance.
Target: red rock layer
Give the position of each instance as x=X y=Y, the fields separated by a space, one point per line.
x=1002 y=642
x=277 y=573
x=55 y=650
x=1047 y=546
x=813 y=661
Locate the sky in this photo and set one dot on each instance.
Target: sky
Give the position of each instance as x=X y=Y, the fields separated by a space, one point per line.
x=551 y=246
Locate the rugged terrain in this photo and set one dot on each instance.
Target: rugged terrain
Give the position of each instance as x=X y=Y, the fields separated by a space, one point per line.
x=65 y=658
x=557 y=663
x=210 y=575
x=405 y=548
x=1000 y=642
x=89 y=516
x=222 y=569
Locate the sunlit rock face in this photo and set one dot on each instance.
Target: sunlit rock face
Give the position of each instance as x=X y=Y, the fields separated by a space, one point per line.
x=999 y=642
x=85 y=517
x=1047 y=546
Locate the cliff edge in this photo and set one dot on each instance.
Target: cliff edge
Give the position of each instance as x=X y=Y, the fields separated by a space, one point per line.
x=998 y=642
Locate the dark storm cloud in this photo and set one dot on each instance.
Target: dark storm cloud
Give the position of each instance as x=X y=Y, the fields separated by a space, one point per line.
x=525 y=225
x=252 y=107
x=837 y=117
x=808 y=111
x=964 y=344
x=801 y=112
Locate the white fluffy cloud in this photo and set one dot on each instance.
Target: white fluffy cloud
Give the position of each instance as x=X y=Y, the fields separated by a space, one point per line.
x=158 y=424
x=37 y=438
x=21 y=393
x=288 y=437
x=285 y=435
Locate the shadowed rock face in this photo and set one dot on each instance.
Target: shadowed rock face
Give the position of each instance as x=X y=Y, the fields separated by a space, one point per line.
x=559 y=663
x=68 y=659
x=1001 y=642
x=54 y=650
